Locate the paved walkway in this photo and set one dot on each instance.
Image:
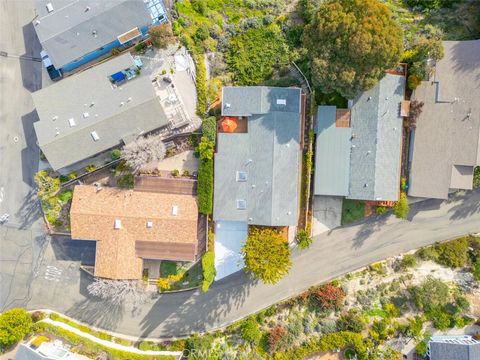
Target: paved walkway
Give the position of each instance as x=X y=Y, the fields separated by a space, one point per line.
x=110 y=344
x=331 y=255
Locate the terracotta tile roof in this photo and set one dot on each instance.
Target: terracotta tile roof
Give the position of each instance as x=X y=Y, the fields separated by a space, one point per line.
x=120 y=251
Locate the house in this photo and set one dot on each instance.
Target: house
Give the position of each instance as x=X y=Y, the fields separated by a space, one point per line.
x=75 y=32
x=131 y=226
x=96 y=110
x=445 y=147
x=42 y=349
x=459 y=347
x=257 y=166
x=358 y=150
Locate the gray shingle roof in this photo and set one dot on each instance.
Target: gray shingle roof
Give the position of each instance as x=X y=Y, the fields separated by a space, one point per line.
x=66 y=32
x=452 y=351
x=448 y=128
x=26 y=353
x=269 y=153
x=376 y=141
x=70 y=98
x=332 y=154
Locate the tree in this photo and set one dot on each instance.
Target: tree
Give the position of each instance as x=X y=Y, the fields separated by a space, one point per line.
x=401 y=208
x=47 y=186
x=161 y=35
x=209 y=272
x=119 y=292
x=351 y=43
x=329 y=296
x=266 y=255
x=453 y=253
x=250 y=331
x=143 y=151
x=430 y=293
x=415 y=111
x=14 y=325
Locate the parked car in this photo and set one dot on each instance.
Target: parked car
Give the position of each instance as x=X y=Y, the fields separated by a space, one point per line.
x=52 y=72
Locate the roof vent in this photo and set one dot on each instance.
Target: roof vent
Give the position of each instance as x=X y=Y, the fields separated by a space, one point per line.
x=241 y=204
x=87 y=8
x=117 y=224
x=174 y=210
x=72 y=122
x=95 y=136
x=49 y=7
x=281 y=101
x=250 y=219
x=37 y=22
x=92 y=103
x=94 y=33
x=55 y=117
x=149 y=224
x=85 y=115
x=227 y=105
x=122 y=103
x=129 y=99
x=365 y=185
x=57 y=131
x=369 y=98
x=289 y=213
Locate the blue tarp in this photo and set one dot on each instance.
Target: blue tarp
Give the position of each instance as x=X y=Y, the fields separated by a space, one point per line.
x=117 y=77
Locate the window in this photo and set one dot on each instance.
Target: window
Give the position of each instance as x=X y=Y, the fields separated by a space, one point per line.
x=95 y=136
x=241 y=204
x=241 y=176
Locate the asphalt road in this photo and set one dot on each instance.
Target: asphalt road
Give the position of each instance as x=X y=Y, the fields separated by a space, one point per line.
x=331 y=255
x=39 y=272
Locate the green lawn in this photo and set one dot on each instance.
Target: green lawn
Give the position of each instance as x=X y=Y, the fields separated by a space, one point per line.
x=192 y=273
x=352 y=210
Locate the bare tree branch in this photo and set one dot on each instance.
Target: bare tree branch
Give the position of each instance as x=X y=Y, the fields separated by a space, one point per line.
x=142 y=151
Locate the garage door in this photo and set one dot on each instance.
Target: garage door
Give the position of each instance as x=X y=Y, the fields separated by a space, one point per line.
x=230 y=236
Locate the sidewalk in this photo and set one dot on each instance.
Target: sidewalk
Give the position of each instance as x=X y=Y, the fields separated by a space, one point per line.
x=110 y=344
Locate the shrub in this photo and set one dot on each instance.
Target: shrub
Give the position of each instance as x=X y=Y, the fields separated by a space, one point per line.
x=266 y=255
x=116 y=154
x=126 y=181
x=209 y=129
x=408 y=261
x=148 y=345
x=65 y=196
x=275 y=336
x=252 y=55
x=209 y=272
x=90 y=168
x=37 y=316
x=352 y=320
x=329 y=297
x=441 y=319
x=430 y=293
x=303 y=239
x=380 y=210
x=250 y=331
x=422 y=347
x=175 y=172
x=453 y=253
x=14 y=325
x=401 y=208
x=476 y=270
x=413 y=82
x=140 y=46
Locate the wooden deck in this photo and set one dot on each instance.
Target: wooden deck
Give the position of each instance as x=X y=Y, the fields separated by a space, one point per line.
x=166 y=185
x=342 y=118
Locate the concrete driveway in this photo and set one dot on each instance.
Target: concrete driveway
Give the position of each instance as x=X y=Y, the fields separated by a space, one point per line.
x=327 y=213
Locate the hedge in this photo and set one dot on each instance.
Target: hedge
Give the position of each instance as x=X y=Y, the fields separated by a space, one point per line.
x=205 y=186
x=89 y=347
x=209 y=128
x=209 y=272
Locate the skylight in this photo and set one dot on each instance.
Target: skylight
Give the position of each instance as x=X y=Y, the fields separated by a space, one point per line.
x=117 y=224
x=241 y=176
x=95 y=136
x=281 y=101
x=72 y=122
x=241 y=204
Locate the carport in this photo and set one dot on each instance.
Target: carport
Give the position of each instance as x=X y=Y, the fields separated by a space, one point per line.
x=229 y=239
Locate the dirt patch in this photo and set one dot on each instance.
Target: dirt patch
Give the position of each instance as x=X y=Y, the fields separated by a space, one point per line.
x=325 y=356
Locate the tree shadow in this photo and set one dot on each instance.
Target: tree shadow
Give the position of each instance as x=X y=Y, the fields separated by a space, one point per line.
x=369 y=226
x=95 y=311
x=468 y=204
x=29 y=212
x=197 y=311
x=30 y=153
